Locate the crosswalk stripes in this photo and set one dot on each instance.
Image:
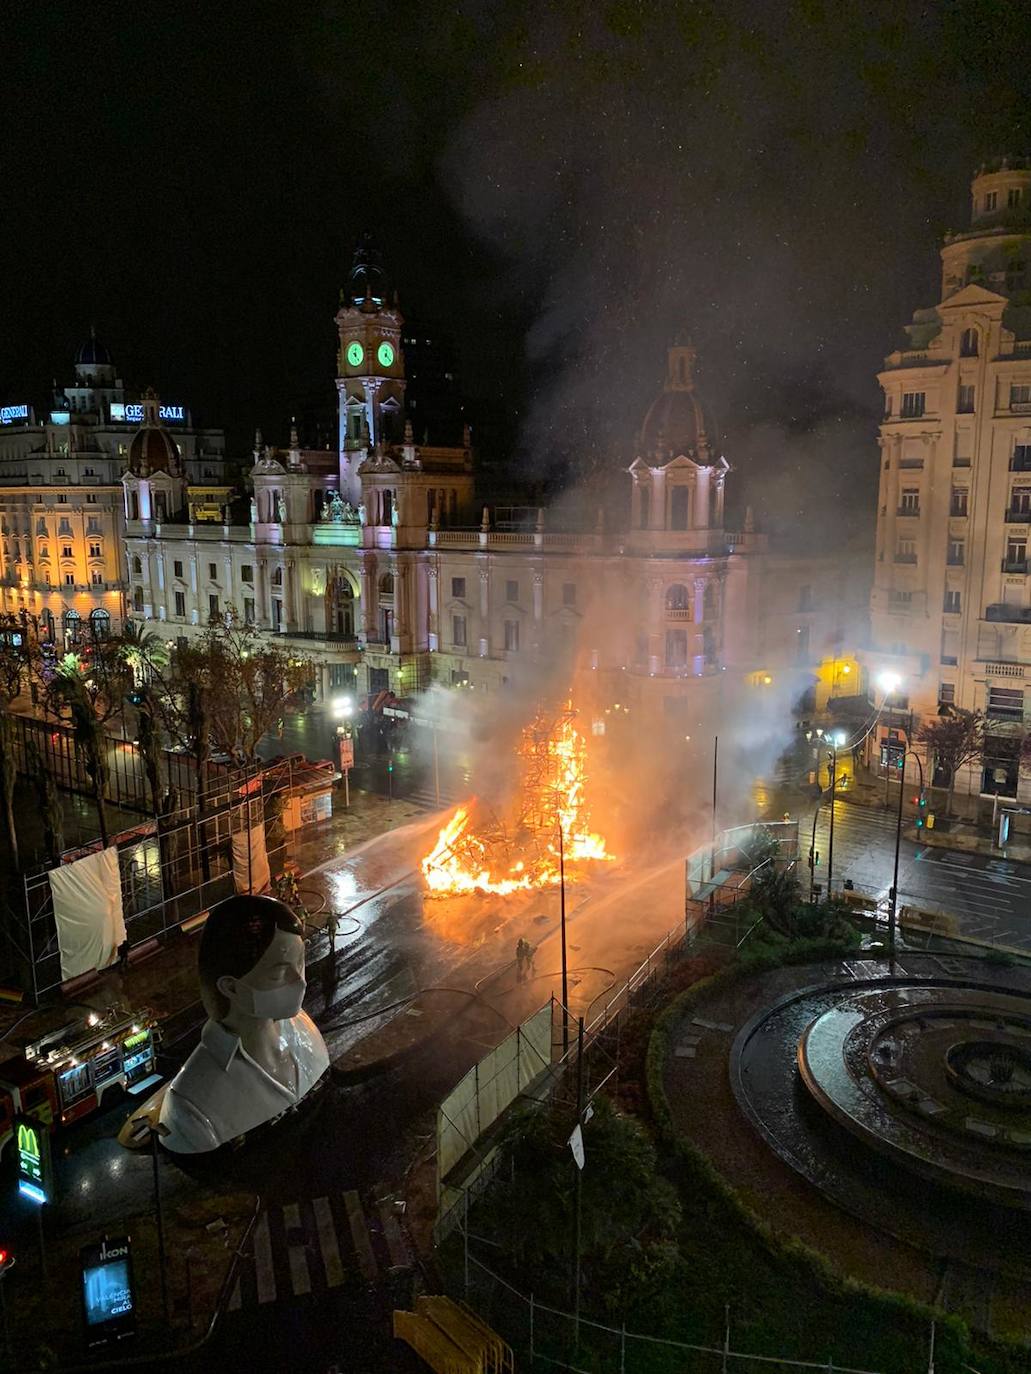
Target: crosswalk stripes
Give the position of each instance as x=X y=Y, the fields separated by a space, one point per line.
x=309 y=1247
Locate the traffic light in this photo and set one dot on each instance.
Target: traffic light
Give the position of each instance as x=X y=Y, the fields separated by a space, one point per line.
x=921 y=815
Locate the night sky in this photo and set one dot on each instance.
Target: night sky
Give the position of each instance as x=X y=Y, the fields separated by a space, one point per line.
x=561 y=187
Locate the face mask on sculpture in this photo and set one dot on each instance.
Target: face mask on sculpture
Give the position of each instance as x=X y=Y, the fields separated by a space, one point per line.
x=271 y=1004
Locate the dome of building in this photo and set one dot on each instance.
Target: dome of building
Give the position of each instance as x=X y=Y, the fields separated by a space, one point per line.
x=677 y=421
x=93 y=353
x=152 y=448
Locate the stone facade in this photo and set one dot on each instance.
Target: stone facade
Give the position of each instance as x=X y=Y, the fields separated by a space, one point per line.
x=951 y=604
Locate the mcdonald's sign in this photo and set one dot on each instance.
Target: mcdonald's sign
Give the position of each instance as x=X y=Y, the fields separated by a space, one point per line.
x=33 y=1142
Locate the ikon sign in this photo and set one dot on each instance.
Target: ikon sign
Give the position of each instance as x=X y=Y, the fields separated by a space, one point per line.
x=108 y=1290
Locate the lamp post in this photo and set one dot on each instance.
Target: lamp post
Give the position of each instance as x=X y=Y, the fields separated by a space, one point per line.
x=894 y=894
x=889 y=684
x=837 y=738
x=562 y=923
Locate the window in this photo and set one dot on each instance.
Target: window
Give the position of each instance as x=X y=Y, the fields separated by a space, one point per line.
x=901 y=598
x=512 y=636
x=458 y=588
x=100 y=623
x=137 y=566
x=677 y=597
x=93 y=525
x=965 y=400
x=1021 y=460
x=137 y=599
x=991 y=200
x=1020 y=501
x=958 y=503
x=1006 y=703
x=94 y=550
x=910 y=503
x=180 y=605
x=912 y=405
x=511 y=591
x=246 y=573
x=91 y=497
x=1020 y=395
x=277 y=613
x=1016 y=555
x=212 y=572
x=66 y=551
x=951 y=606
x=97 y=577
x=458 y=631
x=248 y=610
x=88 y=472
x=62 y=499
x=213 y=606
x=41 y=527
x=906 y=551
x=1013 y=196
x=44 y=553
x=956 y=555
x=676 y=648
x=678 y=503
x=569 y=593
x=69 y=579
x=65 y=526
x=947 y=694
x=277 y=577
x=968 y=343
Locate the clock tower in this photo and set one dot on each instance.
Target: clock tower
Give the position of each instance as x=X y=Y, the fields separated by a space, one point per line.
x=370 y=367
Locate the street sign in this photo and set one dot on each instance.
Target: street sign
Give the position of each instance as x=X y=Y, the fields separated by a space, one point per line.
x=32 y=1140
x=346 y=754
x=108 y=1290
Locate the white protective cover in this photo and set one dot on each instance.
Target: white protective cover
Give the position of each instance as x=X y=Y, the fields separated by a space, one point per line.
x=88 y=911
x=253 y=876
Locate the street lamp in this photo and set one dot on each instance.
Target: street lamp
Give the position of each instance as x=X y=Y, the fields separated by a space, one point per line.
x=889 y=684
x=894 y=894
x=837 y=739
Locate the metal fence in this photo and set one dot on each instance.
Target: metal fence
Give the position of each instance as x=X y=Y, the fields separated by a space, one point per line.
x=170 y=871
x=550 y=1337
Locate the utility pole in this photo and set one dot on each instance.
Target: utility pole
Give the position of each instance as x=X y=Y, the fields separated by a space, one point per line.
x=578 y=1215
x=830 y=845
x=562 y=922
x=715 y=766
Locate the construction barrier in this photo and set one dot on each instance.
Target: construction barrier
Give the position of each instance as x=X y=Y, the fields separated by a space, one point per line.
x=452 y=1339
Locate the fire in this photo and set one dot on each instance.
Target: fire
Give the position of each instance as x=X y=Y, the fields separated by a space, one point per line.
x=552 y=828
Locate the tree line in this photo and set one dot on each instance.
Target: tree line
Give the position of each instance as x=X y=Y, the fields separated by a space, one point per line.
x=216 y=695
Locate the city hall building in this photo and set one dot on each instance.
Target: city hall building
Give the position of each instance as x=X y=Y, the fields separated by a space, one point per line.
x=376 y=561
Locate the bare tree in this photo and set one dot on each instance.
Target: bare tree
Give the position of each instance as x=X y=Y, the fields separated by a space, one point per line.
x=954 y=740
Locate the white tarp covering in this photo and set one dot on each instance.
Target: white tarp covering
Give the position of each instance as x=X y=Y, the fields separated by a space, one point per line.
x=88 y=911
x=250 y=874
x=491 y=1087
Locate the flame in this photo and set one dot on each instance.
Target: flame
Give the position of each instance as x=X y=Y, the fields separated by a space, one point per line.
x=553 y=811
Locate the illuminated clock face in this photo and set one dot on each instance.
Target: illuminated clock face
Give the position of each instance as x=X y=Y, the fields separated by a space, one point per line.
x=355 y=354
x=386 y=355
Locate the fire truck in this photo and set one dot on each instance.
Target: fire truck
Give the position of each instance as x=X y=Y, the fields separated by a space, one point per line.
x=66 y=1074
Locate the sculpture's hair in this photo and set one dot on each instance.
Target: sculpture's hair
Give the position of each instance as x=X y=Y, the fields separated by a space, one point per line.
x=236 y=934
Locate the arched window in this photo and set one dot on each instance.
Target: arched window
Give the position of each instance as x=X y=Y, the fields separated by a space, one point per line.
x=678 y=502
x=277 y=577
x=47 y=625
x=72 y=624
x=386 y=585
x=678 y=598
x=137 y=566
x=968 y=344
x=100 y=623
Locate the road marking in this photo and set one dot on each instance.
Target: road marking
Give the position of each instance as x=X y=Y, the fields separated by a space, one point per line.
x=399 y=1257
x=993 y=878
x=328 y=1241
x=360 y=1235
x=299 y=1275
x=263 y=1269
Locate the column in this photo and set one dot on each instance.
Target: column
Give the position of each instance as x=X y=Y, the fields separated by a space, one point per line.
x=434 y=636
x=701 y=519
x=538 y=611
x=485 y=612
x=658 y=520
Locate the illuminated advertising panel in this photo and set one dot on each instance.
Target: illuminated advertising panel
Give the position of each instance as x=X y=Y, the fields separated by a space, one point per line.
x=108 y=1290
x=131 y=413
x=32 y=1142
x=12 y=415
